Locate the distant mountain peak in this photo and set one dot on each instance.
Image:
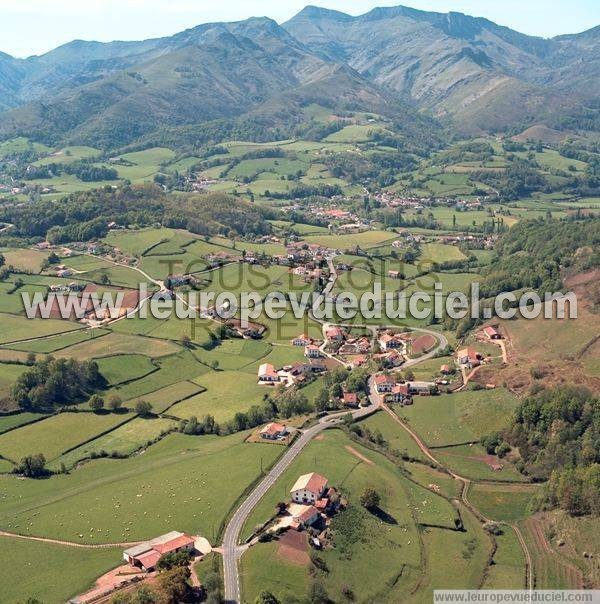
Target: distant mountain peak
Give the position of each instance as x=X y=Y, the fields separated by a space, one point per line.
x=316 y=12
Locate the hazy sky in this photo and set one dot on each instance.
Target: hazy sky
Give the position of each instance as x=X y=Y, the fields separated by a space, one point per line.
x=35 y=26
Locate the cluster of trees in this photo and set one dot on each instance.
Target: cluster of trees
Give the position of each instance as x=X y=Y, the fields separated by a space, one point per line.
x=305 y=191
x=51 y=382
x=285 y=404
x=337 y=382
x=85 y=215
x=519 y=180
x=467 y=152
x=85 y=171
x=557 y=434
x=532 y=254
x=172 y=585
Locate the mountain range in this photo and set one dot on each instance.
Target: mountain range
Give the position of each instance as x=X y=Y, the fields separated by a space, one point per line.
x=467 y=73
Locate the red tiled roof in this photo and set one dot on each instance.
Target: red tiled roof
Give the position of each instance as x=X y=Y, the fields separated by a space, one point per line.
x=273 y=429
x=149 y=560
x=350 y=398
x=315 y=483
x=400 y=389
x=307 y=514
x=174 y=544
x=491 y=331
x=383 y=379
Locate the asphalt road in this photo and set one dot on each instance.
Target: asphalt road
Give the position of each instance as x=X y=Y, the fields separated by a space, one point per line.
x=231 y=550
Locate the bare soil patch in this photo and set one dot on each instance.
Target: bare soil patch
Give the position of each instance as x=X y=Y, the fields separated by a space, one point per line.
x=293 y=547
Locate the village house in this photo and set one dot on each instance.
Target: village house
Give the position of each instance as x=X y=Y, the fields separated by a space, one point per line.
x=302 y=340
x=146 y=555
x=312 y=352
x=267 y=374
x=335 y=334
x=384 y=383
x=389 y=341
x=394 y=275
x=306 y=518
x=469 y=357
x=358 y=361
x=309 y=488
x=401 y=393
x=350 y=399
x=446 y=370
x=274 y=431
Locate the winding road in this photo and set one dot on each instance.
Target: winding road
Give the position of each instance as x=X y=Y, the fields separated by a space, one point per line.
x=231 y=549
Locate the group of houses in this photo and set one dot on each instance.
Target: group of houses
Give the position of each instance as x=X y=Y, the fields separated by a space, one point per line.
x=289 y=375
x=396 y=391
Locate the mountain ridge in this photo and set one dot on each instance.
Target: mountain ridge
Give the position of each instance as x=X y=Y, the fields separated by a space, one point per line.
x=453 y=66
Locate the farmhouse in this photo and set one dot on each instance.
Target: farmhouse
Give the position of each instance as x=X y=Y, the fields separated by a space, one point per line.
x=384 y=383
x=335 y=333
x=350 y=399
x=267 y=374
x=309 y=488
x=469 y=357
x=302 y=340
x=146 y=555
x=306 y=518
x=274 y=431
x=394 y=275
x=388 y=341
x=492 y=333
x=312 y=352
x=401 y=393
x=446 y=369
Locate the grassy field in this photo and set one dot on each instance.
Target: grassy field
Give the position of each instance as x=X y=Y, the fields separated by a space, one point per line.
x=163 y=398
x=17 y=329
x=508 y=570
x=472 y=462
x=124 y=440
x=24 y=259
x=369 y=552
x=59 y=342
x=439 y=252
x=122 y=368
x=137 y=242
x=56 y=434
x=177 y=484
x=226 y=393
x=341 y=242
x=10 y=421
x=29 y=569
x=119 y=344
x=503 y=502
x=452 y=419
x=8 y=376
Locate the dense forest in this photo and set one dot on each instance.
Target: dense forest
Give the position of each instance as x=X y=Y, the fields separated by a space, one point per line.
x=557 y=434
x=532 y=254
x=85 y=215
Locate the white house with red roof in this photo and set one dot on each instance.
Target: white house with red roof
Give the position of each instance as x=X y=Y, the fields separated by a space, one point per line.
x=302 y=340
x=312 y=351
x=469 y=357
x=267 y=374
x=274 y=431
x=309 y=488
x=384 y=383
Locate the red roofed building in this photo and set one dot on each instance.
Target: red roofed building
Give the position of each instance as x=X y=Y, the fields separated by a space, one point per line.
x=146 y=555
x=384 y=383
x=307 y=517
x=469 y=357
x=274 y=431
x=312 y=352
x=335 y=333
x=401 y=393
x=267 y=373
x=309 y=488
x=492 y=333
x=350 y=399
x=302 y=340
